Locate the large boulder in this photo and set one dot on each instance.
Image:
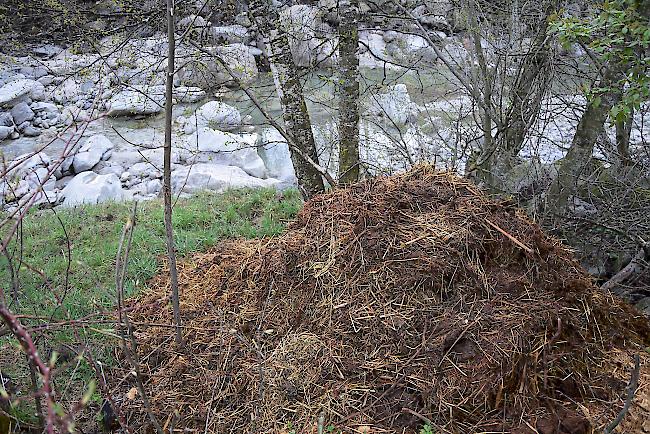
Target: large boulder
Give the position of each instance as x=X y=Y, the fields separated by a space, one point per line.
x=140 y=100
x=312 y=41
x=67 y=92
x=215 y=177
x=90 y=188
x=204 y=71
x=216 y=115
x=12 y=92
x=230 y=34
x=95 y=149
x=274 y=151
x=22 y=113
x=395 y=106
x=208 y=145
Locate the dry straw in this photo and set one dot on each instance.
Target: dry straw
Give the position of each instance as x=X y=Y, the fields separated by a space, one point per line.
x=387 y=304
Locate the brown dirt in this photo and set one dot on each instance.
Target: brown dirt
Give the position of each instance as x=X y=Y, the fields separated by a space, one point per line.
x=395 y=300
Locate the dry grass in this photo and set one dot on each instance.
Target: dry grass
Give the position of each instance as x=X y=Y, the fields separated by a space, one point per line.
x=392 y=301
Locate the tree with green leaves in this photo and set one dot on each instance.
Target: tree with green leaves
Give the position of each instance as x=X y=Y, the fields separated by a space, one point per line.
x=617 y=41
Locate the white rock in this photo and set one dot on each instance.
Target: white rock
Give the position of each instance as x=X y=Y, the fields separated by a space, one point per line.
x=14 y=90
x=309 y=37
x=395 y=105
x=154 y=186
x=66 y=92
x=89 y=187
x=216 y=115
x=5 y=132
x=27 y=163
x=230 y=34
x=274 y=151
x=216 y=177
x=189 y=94
x=45 y=107
x=143 y=100
x=91 y=153
x=213 y=146
x=241 y=60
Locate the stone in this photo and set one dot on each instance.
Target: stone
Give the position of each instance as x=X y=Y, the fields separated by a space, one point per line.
x=216 y=115
x=189 y=94
x=154 y=186
x=38 y=92
x=5 y=132
x=214 y=146
x=47 y=80
x=107 y=168
x=31 y=131
x=308 y=35
x=6 y=120
x=274 y=151
x=215 y=177
x=193 y=21
x=395 y=106
x=22 y=113
x=142 y=101
x=90 y=188
x=44 y=107
x=230 y=34
x=91 y=153
x=204 y=71
x=13 y=91
x=67 y=92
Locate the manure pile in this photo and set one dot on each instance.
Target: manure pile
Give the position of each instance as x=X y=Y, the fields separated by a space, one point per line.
x=393 y=301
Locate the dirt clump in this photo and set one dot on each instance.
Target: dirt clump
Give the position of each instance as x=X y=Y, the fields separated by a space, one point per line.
x=387 y=304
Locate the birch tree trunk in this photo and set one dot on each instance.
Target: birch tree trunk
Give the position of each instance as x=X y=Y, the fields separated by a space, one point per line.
x=167 y=188
x=349 y=91
x=290 y=90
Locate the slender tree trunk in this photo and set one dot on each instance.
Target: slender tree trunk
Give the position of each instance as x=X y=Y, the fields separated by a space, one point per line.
x=591 y=125
x=623 y=132
x=349 y=94
x=290 y=90
x=167 y=184
x=527 y=92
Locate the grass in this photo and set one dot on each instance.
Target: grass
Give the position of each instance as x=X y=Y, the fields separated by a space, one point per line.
x=93 y=233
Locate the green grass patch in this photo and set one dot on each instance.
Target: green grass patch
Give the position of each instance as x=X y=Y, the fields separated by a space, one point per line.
x=85 y=278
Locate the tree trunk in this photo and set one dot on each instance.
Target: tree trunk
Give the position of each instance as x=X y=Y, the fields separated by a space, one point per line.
x=290 y=91
x=591 y=125
x=349 y=93
x=623 y=131
x=167 y=188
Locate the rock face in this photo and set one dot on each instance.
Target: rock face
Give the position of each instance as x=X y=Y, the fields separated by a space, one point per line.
x=216 y=177
x=89 y=187
x=92 y=152
x=216 y=115
x=140 y=101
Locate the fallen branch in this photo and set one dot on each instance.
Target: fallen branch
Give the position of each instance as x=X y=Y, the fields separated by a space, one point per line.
x=634 y=267
x=631 y=389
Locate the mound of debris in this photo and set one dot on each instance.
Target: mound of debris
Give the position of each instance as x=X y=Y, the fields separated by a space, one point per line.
x=389 y=304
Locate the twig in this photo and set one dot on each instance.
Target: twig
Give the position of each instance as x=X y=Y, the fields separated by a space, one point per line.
x=631 y=389
x=120 y=276
x=510 y=237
